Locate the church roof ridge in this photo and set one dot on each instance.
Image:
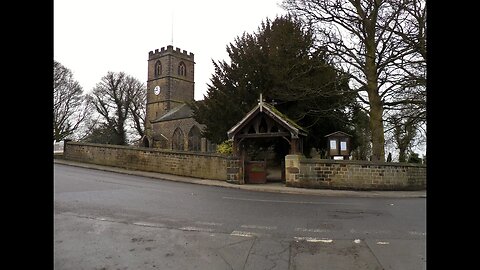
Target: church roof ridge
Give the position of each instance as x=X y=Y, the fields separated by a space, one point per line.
x=182 y=111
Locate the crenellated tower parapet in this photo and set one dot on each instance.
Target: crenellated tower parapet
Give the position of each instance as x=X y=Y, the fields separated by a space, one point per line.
x=170 y=50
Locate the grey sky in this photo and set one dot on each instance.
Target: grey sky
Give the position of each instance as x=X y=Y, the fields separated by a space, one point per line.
x=92 y=37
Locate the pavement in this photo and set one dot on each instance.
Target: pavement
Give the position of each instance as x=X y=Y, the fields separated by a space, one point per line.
x=275 y=187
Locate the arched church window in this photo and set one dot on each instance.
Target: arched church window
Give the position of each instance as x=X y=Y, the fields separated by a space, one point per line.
x=194 y=139
x=177 y=140
x=182 y=70
x=158 y=68
x=145 y=142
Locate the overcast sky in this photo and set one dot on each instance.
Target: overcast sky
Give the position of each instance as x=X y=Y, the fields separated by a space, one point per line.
x=92 y=37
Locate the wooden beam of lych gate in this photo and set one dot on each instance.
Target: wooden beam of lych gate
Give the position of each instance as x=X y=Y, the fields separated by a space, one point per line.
x=263 y=135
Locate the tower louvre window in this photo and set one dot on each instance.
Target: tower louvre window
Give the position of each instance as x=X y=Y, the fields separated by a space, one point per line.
x=158 y=68
x=182 y=70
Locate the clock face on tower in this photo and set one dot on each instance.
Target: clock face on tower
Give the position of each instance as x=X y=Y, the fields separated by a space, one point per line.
x=156 y=90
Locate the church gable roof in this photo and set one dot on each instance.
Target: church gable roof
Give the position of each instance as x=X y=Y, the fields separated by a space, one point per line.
x=180 y=112
x=268 y=109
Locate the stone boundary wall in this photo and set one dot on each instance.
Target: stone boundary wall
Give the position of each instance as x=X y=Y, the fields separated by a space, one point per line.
x=353 y=174
x=199 y=165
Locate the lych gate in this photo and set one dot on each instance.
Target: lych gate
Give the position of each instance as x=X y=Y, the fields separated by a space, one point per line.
x=262 y=124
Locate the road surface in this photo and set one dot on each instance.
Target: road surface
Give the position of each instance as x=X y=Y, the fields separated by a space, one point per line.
x=106 y=220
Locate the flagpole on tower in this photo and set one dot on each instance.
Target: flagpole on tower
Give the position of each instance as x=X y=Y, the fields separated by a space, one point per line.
x=172 y=29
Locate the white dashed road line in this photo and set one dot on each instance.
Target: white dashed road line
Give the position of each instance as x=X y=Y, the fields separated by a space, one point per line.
x=383 y=243
x=108 y=219
x=311 y=230
x=417 y=233
x=148 y=224
x=259 y=227
x=208 y=223
x=312 y=239
x=196 y=229
x=244 y=234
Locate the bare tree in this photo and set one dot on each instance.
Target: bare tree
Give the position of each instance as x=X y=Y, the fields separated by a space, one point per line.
x=112 y=99
x=406 y=130
x=408 y=120
x=138 y=111
x=90 y=123
x=381 y=45
x=403 y=134
x=69 y=105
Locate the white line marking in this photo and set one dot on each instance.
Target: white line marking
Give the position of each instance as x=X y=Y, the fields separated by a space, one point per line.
x=357 y=241
x=148 y=224
x=244 y=234
x=383 y=243
x=196 y=229
x=312 y=239
x=311 y=230
x=98 y=218
x=209 y=223
x=378 y=232
x=279 y=201
x=417 y=233
x=106 y=219
x=259 y=227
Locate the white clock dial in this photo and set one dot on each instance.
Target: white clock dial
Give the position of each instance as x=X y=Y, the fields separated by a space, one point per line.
x=156 y=90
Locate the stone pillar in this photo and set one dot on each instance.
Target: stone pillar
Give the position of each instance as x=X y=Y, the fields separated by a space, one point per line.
x=65 y=142
x=292 y=169
x=235 y=170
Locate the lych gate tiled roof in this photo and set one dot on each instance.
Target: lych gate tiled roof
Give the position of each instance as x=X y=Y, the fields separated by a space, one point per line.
x=294 y=129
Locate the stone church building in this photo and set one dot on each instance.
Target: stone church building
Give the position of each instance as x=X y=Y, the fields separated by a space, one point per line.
x=170 y=84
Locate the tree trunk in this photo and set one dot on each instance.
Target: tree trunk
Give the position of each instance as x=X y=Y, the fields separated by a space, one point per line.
x=376 y=126
x=122 y=135
x=376 y=105
x=402 y=157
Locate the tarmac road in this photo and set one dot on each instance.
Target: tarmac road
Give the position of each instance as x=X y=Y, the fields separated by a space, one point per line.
x=106 y=220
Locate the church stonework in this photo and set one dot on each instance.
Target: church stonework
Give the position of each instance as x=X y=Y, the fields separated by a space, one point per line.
x=169 y=123
x=172 y=72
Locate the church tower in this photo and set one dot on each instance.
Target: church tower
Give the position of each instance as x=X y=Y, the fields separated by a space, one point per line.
x=170 y=82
